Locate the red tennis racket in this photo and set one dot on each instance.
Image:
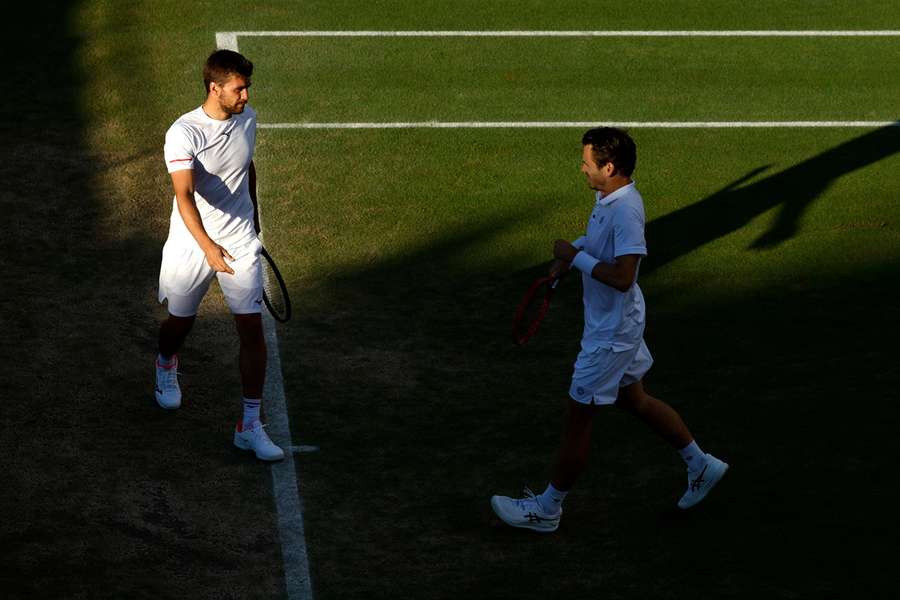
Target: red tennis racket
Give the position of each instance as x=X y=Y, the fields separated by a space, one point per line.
x=532 y=309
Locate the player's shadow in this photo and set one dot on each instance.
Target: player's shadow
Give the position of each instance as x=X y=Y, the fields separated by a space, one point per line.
x=676 y=234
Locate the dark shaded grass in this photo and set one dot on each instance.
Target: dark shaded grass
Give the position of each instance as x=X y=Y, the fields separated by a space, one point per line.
x=789 y=386
x=104 y=494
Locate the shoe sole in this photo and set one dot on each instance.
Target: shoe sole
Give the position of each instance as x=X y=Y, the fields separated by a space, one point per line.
x=499 y=512
x=245 y=445
x=709 y=488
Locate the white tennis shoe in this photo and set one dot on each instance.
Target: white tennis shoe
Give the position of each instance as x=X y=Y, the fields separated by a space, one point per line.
x=525 y=512
x=168 y=393
x=701 y=481
x=256 y=439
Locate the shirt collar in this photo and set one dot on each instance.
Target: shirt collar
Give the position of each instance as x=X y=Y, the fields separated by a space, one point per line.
x=610 y=198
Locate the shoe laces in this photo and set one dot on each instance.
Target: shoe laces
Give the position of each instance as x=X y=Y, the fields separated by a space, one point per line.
x=168 y=377
x=259 y=430
x=529 y=501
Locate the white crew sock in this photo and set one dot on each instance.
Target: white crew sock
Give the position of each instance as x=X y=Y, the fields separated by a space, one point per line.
x=251 y=411
x=693 y=456
x=551 y=500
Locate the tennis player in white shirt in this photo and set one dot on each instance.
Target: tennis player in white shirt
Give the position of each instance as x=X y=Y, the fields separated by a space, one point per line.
x=213 y=234
x=613 y=357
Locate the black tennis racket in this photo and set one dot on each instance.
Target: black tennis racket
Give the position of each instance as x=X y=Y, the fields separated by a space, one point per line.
x=275 y=293
x=532 y=309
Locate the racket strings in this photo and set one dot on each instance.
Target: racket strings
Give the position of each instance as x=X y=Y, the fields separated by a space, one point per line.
x=274 y=292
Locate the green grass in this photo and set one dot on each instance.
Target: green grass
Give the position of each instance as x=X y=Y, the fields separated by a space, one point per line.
x=575 y=79
x=771 y=286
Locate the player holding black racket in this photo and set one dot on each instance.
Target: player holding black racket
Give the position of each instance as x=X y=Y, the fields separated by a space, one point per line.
x=613 y=358
x=213 y=233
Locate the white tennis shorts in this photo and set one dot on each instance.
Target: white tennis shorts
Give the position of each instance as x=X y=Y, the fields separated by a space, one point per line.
x=599 y=375
x=184 y=279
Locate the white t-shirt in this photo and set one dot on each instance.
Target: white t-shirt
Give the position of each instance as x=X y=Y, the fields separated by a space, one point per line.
x=613 y=319
x=219 y=152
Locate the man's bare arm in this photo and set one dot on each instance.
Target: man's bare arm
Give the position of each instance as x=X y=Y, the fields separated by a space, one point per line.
x=183 y=182
x=619 y=275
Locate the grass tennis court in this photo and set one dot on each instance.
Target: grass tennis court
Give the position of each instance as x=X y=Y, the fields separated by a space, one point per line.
x=771 y=287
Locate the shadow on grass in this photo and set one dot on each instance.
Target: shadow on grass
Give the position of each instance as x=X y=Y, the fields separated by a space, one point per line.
x=104 y=495
x=424 y=409
x=793 y=190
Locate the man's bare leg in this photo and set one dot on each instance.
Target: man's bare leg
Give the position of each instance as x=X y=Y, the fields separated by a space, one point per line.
x=249 y=434
x=661 y=417
x=172 y=333
x=704 y=470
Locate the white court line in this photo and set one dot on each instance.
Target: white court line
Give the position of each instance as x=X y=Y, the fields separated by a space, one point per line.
x=599 y=33
x=288 y=504
x=286 y=489
x=581 y=124
x=229 y=39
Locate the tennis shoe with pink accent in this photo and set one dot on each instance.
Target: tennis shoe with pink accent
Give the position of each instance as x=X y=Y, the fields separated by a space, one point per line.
x=168 y=393
x=526 y=512
x=702 y=480
x=255 y=438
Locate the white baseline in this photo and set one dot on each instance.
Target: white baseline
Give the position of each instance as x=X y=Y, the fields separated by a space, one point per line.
x=580 y=124
x=229 y=39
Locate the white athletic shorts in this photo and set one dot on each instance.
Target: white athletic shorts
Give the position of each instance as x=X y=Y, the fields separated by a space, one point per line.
x=184 y=279
x=599 y=375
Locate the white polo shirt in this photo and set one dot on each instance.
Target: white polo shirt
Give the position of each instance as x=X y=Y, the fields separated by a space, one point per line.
x=219 y=152
x=613 y=319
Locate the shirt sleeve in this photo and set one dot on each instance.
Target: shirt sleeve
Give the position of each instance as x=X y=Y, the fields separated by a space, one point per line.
x=179 y=149
x=628 y=231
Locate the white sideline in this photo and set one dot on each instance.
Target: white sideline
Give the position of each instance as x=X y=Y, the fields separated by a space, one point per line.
x=288 y=503
x=580 y=124
x=286 y=489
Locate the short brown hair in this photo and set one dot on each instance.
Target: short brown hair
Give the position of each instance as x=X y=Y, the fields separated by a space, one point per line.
x=609 y=144
x=222 y=64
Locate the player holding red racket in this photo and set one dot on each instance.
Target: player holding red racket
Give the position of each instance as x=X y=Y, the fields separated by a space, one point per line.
x=613 y=357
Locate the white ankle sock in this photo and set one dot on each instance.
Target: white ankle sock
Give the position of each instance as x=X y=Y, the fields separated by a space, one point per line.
x=693 y=456
x=251 y=411
x=551 y=500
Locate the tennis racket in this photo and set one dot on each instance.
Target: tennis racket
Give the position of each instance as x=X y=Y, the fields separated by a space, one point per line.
x=275 y=293
x=532 y=309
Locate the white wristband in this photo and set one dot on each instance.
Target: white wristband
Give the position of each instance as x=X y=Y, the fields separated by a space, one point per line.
x=584 y=262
